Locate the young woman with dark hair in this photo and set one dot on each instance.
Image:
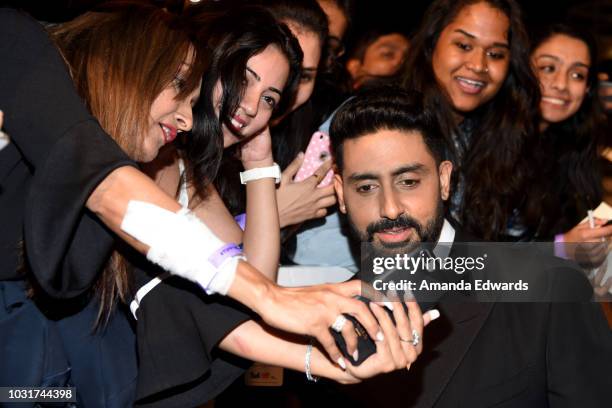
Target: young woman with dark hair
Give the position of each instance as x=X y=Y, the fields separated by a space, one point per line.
x=571 y=124
x=470 y=59
x=291 y=131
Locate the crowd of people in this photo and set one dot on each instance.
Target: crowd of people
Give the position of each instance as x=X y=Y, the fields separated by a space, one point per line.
x=150 y=189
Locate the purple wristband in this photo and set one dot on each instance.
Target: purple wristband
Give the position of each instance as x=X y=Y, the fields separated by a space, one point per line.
x=241 y=220
x=226 y=251
x=560 y=247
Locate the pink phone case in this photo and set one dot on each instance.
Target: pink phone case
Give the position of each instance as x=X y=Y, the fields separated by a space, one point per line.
x=317 y=152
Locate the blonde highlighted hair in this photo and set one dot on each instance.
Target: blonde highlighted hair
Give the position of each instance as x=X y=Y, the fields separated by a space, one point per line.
x=121 y=57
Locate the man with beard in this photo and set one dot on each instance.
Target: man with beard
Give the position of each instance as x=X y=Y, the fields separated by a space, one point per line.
x=391 y=182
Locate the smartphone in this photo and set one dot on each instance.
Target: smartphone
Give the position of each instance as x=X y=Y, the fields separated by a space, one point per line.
x=317 y=152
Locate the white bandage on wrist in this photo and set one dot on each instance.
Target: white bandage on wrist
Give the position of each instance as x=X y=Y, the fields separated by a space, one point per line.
x=183 y=245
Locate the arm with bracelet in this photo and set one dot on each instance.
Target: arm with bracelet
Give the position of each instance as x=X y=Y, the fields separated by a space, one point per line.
x=179 y=242
x=260 y=236
x=257 y=342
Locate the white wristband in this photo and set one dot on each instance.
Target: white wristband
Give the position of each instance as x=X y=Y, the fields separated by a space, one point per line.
x=261 y=172
x=183 y=245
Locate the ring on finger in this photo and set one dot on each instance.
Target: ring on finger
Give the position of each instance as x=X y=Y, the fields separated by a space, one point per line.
x=339 y=323
x=415 y=340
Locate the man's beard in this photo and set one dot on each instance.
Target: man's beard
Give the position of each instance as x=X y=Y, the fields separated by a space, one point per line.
x=430 y=232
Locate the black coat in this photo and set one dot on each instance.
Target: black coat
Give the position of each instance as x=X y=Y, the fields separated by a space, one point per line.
x=485 y=354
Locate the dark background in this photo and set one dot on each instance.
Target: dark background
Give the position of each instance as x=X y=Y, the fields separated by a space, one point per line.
x=398 y=15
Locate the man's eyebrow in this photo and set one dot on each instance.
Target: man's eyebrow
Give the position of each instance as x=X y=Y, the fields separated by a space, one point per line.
x=472 y=36
x=362 y=176
x=411 y=168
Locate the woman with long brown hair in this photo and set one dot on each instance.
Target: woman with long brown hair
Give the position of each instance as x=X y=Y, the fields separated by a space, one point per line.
x=141 y=93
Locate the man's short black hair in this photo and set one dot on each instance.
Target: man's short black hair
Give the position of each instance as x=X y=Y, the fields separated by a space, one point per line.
x=385 y=108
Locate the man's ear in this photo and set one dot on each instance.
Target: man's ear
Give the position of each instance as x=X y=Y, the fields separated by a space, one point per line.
x=339 y=192
x=353 y=66
x=444 y=170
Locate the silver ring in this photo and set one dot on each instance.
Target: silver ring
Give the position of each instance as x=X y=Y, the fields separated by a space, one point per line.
x=339 y=323
x=416 y=339
x=405 y=341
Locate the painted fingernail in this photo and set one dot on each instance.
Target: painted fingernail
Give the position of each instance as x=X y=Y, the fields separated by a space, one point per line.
x=356 y=355
x=434 y=314
x=388 y=305
x=380 y=336
x=341 y=363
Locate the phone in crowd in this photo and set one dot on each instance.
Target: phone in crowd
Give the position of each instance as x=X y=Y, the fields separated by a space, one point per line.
x=317 y=152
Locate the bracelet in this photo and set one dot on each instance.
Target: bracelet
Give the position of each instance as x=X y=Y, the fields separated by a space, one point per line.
x=261 y=172
x=309 y=375
x=560 y=249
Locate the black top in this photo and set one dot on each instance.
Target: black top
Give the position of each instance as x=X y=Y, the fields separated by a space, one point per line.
x=178 y=330
x=57 y=156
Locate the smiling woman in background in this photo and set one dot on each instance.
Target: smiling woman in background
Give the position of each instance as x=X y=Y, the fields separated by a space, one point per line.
x=470 y=59
x=571 y=125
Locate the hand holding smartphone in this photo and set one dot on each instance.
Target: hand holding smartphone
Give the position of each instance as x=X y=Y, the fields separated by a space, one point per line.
x=317 y=152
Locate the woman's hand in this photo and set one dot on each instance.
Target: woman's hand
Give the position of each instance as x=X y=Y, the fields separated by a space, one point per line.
x=313 y=310
x=302 y=201
x=586 y=245
x=257 y=151
x=397 y=350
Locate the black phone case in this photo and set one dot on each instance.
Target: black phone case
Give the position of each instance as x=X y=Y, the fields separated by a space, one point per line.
x=365 y=344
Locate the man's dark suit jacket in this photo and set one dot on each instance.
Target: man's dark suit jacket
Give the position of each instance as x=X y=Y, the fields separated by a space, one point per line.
x=504 y=355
